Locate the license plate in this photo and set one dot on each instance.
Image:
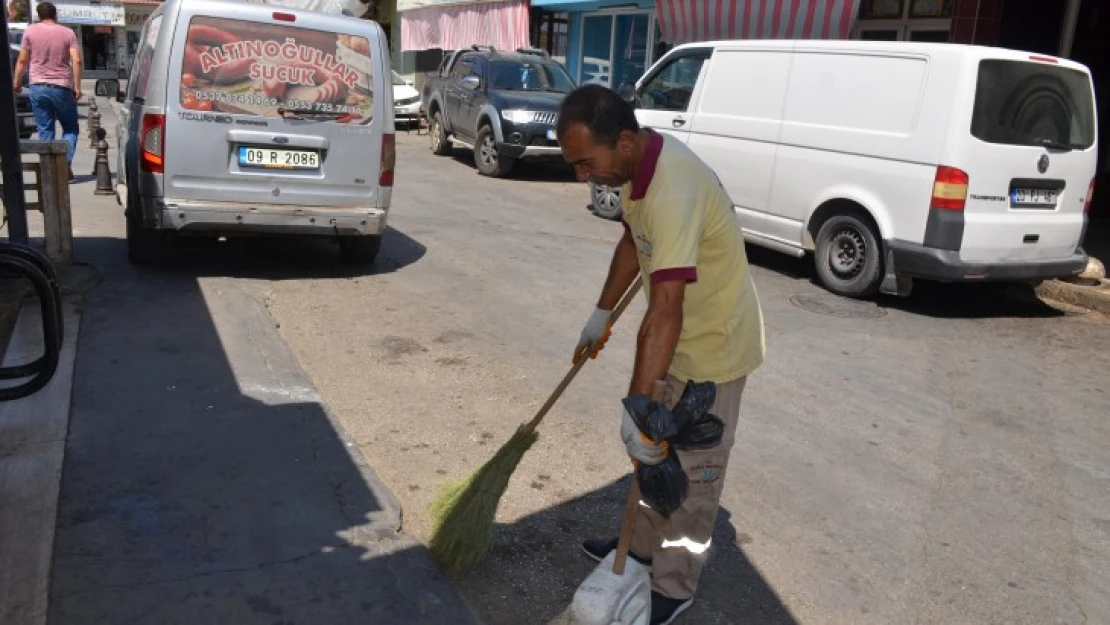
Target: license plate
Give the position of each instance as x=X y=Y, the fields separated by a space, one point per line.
x=551 y=134
x=270 y=158
x=1033 y=197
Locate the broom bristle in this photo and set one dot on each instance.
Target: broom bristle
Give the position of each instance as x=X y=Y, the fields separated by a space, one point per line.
x=463 y=513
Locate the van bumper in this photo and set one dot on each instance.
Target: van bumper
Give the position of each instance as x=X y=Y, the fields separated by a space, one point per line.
x=228 y=218
x=918 y=261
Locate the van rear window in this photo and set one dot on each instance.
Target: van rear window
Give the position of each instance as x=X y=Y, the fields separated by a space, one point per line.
x=1026 y=103
x=251 y=68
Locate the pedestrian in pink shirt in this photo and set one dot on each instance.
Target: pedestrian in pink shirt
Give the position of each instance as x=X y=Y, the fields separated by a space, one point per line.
x=51 y=50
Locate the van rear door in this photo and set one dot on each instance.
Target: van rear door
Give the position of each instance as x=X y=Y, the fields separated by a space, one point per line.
x=1030 y=159
x=270 y=105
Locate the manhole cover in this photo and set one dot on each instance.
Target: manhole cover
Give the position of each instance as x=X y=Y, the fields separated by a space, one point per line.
x=835 y=306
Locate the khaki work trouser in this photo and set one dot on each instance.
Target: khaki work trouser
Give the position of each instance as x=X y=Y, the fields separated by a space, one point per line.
x=678 y=546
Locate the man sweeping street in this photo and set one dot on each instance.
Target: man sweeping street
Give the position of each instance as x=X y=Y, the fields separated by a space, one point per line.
x=703 y=321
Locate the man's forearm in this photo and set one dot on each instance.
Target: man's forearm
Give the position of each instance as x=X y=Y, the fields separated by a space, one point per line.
x=658 y=338
x=76 y=75
x=622 y=271
x=20 y=69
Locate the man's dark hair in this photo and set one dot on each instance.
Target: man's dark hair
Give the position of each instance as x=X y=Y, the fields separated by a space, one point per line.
x=600 y=110
x=47 y=11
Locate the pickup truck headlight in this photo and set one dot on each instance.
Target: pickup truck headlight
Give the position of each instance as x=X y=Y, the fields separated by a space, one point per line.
x=519 y=116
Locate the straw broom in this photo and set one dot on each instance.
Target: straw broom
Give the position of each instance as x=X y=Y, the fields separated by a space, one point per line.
x=463 y=513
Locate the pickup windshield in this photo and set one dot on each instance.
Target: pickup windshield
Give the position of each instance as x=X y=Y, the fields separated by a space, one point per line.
x=1033 y=104
x=530 y=77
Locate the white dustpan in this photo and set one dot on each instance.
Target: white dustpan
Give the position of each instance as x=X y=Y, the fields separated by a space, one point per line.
x=618 y=592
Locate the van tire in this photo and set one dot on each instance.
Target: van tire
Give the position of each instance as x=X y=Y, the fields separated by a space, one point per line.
x=360 y=250
x=441 y=145
x=849 y=257
x=143 y=245
x=486 y=158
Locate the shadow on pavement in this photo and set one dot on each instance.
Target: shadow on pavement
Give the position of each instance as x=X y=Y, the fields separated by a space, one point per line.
x=930 y=299
x=267 y=258
x=204 y=482
x=523 y=171
x=535 y=565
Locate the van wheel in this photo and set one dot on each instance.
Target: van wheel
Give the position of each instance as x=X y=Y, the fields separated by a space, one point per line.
x=143 y=245
x=486 y=158
x=848 y=256
x=441 y=145
x=360 y=250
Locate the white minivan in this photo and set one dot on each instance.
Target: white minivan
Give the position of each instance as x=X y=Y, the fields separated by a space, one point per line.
x=888 y=160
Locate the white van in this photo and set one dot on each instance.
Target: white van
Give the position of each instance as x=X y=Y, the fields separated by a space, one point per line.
x=888 y=160
x=250 y=119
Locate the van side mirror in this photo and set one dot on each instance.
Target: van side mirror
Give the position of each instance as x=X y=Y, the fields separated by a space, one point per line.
x=627 y=92
x=107 y=88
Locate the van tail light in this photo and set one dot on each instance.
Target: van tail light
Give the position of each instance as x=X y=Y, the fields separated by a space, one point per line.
x=389 y=160
x=950 y=189
x=153 y=144
x=1090 y=196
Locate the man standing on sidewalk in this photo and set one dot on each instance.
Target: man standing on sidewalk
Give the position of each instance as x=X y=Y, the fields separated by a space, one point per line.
x=703 y=321
x=51 y=50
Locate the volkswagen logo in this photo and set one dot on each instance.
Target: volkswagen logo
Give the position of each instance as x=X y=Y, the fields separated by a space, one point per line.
x=1042 y=164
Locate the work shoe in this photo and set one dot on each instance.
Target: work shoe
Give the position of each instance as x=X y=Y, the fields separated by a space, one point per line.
x=665 y=610
x=598 y=548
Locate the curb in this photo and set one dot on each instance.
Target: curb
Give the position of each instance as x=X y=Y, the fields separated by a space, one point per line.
x=1096 y=298
x=32 y=448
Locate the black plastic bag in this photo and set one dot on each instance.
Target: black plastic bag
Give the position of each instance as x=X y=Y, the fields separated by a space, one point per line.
x=651 y=417
x=698 y=429
x=663 y=486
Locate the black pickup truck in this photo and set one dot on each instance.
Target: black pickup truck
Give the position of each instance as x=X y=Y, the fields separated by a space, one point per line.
x=502 y=105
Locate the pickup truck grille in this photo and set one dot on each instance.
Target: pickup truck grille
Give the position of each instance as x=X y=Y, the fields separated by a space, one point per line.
x=545 y=118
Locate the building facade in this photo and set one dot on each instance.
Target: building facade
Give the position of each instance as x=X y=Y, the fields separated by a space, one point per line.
x=107 y=32
x=611 y=42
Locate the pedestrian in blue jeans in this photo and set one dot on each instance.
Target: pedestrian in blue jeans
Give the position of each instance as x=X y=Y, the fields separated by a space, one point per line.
x=55 y=61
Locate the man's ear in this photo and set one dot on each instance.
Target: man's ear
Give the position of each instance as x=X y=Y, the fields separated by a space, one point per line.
x=626 y=142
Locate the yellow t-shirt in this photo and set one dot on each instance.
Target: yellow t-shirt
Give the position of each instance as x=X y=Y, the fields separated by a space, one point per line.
x=684 y=227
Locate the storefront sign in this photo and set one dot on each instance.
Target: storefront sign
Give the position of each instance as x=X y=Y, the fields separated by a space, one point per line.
x=137 y=16
x=90 y=14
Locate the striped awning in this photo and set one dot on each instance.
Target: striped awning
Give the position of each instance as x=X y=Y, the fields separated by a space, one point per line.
x=683 y=21
x=503 y=25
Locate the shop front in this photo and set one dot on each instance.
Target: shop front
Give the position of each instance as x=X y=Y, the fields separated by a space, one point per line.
x=612 y=44
x=429 y=24
x=107 y=33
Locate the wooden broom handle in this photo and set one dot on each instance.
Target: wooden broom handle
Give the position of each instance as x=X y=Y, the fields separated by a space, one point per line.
x=582 y=357
x=631 y=505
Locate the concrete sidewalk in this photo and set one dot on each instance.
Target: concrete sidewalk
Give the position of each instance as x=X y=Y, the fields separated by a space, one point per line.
x=204 y=479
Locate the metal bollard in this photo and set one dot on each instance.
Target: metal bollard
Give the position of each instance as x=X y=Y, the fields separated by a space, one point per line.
x=103 y=171
x=94 y=127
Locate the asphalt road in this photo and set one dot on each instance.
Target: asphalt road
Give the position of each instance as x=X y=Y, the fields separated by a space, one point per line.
x=941 y=459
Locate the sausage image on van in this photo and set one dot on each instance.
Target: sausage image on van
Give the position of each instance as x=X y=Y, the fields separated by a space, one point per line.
x=252 y=119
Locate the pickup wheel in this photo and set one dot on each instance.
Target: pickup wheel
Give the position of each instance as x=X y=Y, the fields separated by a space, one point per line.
x=441 y=145
x=486 y=158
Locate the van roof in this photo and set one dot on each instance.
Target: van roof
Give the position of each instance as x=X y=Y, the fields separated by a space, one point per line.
x=976 y=52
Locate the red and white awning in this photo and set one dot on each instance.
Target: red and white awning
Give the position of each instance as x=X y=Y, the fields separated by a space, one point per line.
x=683 y=21
x=503 y=25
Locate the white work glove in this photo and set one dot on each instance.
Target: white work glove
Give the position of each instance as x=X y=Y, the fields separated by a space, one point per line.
x=594 y=335
x=640 y=447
